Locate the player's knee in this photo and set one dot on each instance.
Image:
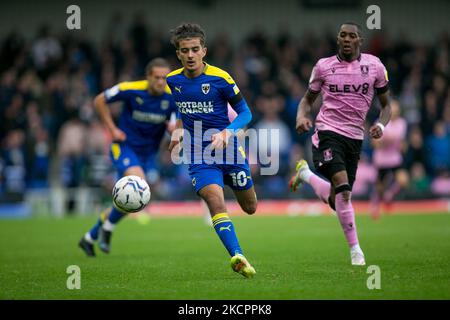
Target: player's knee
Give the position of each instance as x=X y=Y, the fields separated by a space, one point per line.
x=215 y=203
x=250 y=208
x=345 y=190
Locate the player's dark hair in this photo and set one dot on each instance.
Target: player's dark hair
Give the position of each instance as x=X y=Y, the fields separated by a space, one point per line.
x=357 y=25
x=187 y=31
x=157 y=62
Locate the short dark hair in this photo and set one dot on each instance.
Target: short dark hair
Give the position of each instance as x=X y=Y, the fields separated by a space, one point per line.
x=157 y=62
x=357 y=25
x=187 y=31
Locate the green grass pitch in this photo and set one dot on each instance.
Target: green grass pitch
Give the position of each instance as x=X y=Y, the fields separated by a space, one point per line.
x=182 y=258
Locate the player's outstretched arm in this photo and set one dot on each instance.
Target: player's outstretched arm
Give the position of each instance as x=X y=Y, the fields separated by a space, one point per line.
x=244 y=116
x=303 y=122
x=376 y=131
x=102 y=110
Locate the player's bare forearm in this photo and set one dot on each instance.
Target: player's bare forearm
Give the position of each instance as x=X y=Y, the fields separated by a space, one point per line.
x=303 y=121
x=304 y=108
x=103 y=111
x=376 y=131
x=385 y=114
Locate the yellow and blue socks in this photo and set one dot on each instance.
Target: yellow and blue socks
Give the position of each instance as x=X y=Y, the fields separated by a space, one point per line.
x=92 y=234
x=114 y=217
x=225 y=230
x=108 y=221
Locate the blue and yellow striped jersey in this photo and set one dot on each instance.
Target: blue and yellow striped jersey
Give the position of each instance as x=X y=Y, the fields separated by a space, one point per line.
x=143 y=115
x=203 y=100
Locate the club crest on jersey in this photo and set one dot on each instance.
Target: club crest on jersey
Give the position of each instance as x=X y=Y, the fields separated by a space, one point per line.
x=164 y=104
x=327 y=155
x=364 y=70
x=205 y=88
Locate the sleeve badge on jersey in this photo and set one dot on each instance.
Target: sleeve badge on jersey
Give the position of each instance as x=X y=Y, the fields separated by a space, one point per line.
x=205 y=88
x=111 y=92
x=236 y=89
x=364 y=70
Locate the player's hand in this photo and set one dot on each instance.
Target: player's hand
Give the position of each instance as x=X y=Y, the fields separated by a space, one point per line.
x=170 y=126
x=303 y=125
x=220 y=140
x=118 y=135
x=375 y=132
x=176 y=138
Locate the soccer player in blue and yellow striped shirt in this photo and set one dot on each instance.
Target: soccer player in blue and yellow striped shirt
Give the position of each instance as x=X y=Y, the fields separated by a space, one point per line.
x=202 y=93
x=148 y=105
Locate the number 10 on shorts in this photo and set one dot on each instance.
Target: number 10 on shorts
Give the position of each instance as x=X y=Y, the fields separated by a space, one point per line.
x=239 y=179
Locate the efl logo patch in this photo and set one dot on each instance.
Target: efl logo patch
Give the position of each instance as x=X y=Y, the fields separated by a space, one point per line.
x=327 y=155
x=205 y=88
x=111 y=92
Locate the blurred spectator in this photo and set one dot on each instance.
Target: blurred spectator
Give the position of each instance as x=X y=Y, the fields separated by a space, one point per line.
x=420 y=182
x=272 y=126
x=430 y=113
x=14 y=171
x=441 y=184
x=71 y=150
x=438 y=148
x=97 y=154
x=365 y=178
x=40 y=160
x=11 y=48
x=46 y=51
x=415 y=151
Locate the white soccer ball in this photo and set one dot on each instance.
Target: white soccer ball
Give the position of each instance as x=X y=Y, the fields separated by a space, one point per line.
x=131 y=194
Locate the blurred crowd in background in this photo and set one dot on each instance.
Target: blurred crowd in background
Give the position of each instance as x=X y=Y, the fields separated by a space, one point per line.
x=51 y=136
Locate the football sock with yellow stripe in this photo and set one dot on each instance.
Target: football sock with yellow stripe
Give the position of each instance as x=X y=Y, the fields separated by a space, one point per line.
x=114 y=217
x=94 y=231
x=225 y=230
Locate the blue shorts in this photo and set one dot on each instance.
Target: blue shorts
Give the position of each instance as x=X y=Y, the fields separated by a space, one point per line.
x=236 y=176
x=124 y=156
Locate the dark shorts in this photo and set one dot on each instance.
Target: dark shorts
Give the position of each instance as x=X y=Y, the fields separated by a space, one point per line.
x=336 y=153
x=388 y=173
